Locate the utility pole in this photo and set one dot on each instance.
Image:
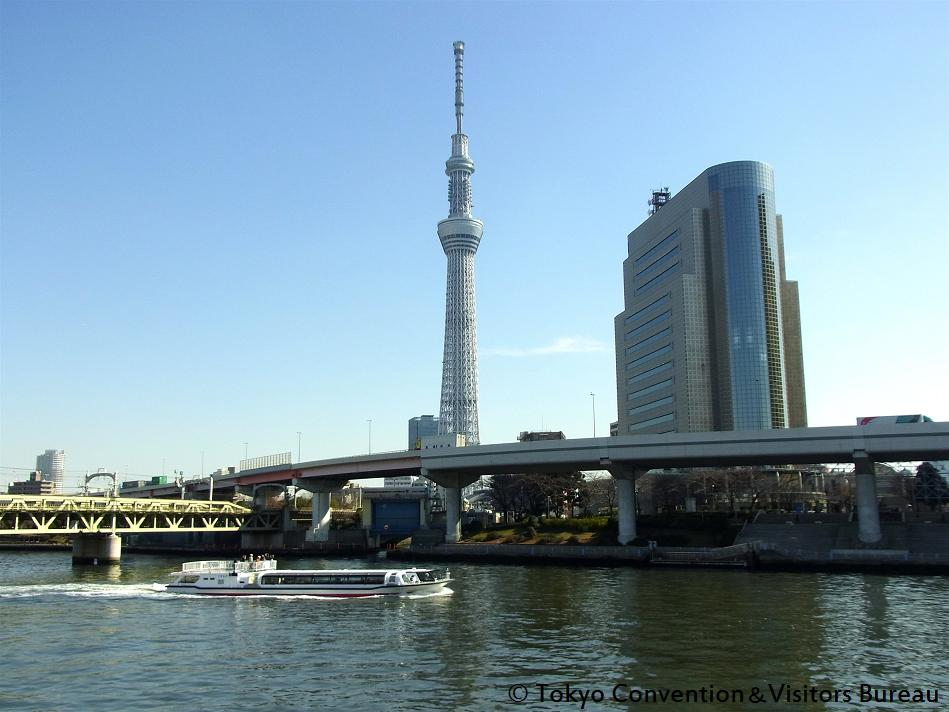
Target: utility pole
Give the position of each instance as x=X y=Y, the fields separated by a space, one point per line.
x=593 y=395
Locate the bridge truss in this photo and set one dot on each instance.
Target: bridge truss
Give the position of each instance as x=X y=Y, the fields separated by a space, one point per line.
x=37 y=514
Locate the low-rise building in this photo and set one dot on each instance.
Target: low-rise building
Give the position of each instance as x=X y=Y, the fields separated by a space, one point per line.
x=34 y=485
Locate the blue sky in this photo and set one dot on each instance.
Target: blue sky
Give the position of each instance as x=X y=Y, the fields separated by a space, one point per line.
x=218 y=219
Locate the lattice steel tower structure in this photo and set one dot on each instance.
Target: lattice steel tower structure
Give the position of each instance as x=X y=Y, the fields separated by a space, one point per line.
x=460 y=235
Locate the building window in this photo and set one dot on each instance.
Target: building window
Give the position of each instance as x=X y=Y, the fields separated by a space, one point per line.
x=650 y=389
x=648 y=357
x=659 y=335
x=664 y=260
x=667 y=418
x=658 y=279
x=633 y=333
x=662 y=301
x=649 y=406
x=645 y=375
x=657 y=249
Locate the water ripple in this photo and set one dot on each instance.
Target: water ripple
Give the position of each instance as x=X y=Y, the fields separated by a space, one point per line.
x=111 y=639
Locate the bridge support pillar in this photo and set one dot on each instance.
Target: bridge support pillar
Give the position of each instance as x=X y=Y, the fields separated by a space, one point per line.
x=322 y=513
x=321 y=489
x=868 y=508
x=452 y=515
x=453 y=482
x=96 y=549
x=626 y=502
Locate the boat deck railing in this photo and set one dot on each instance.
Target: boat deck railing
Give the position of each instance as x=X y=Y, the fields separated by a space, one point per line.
x=229 y=566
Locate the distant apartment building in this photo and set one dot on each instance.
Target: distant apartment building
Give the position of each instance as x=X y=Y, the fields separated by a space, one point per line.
x=52 y=464
x=710 y=336
x=35 y=484
x=420 y=427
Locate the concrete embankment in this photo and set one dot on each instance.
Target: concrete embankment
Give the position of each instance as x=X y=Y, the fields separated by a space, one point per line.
x=827 y=544
x=730 y=556
x=830 y=542
x=889 y=561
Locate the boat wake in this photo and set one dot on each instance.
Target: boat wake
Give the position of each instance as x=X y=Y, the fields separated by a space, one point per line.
x=303 y=596
x=86 y=590
x=158 y=591
x=436 y=594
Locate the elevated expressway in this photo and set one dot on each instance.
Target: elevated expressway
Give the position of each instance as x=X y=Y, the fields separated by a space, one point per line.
x=95 y=522
x=626 y=457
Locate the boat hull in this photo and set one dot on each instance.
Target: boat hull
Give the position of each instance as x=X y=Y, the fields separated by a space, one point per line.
x=263 y=578
x=321 y=591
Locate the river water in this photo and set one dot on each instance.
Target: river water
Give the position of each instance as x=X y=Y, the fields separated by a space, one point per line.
x=507 y=637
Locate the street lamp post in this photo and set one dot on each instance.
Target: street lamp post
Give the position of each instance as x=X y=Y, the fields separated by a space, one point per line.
x=299 y=435
x=593 y=396
x=369 y=420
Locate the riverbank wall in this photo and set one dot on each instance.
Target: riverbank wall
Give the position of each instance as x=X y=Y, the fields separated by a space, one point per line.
x=740 y=556
x=760 y=556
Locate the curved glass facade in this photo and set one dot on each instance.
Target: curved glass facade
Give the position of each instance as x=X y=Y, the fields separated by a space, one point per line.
x=747 y=241
x=701 y=338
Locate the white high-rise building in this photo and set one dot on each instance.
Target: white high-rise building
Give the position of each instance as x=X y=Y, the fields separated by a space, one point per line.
x=460 y=235
x=52 y=464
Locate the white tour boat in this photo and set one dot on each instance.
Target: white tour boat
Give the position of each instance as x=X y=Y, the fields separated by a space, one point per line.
x=262 y=577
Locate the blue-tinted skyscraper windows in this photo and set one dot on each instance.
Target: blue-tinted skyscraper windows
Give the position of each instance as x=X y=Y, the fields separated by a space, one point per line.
x=715 y=249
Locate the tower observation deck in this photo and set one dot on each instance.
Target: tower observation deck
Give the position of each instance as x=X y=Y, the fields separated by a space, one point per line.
x=460 y=235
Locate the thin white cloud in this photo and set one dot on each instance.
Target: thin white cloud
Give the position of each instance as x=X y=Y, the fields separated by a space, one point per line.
x=563 y=345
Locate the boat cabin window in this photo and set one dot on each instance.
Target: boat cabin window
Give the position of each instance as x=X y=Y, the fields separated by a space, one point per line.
x=320 y=579
x=188 y=579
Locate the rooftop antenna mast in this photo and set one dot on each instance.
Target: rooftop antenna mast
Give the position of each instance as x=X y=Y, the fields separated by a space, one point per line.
x=459 y=84
x=659 y=198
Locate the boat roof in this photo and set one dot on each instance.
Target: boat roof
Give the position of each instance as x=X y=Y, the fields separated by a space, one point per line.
x=194 y=566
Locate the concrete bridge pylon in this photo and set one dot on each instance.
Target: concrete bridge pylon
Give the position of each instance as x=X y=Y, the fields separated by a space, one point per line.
x=96 y=548
x=454 y=483
x=321 y=490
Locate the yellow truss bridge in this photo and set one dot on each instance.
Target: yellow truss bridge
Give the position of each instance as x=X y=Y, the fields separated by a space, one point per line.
x=48 y=514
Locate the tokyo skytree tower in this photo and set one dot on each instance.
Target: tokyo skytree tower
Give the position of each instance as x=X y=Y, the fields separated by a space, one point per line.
x=460 y=235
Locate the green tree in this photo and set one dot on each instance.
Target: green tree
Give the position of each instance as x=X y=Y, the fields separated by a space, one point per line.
x=930 y=488
x=601 y=493
x=502 y=492
x=537 y=494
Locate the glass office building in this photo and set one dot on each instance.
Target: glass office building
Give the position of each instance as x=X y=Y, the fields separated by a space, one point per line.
x=701 y=343
x=422 y=426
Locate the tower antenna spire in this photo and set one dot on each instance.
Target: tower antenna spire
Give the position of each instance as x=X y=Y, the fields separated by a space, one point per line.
x=459 y=83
